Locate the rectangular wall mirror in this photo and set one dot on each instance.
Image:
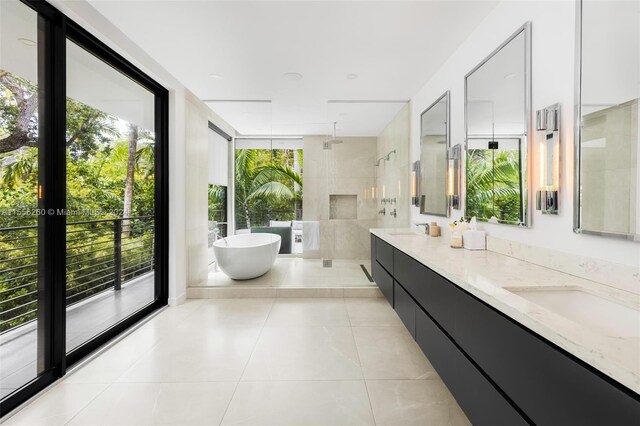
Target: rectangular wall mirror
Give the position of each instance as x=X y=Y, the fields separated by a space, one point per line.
x=607 y=189
x=498 y=122
x=434 y=148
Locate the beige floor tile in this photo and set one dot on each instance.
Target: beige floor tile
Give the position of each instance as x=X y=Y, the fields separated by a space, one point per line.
x=304 y=353
x=294 y=272
x=306 y=292
x=158 y=403
x=299 y=403
x=196 y=355
x=413 y=402
x=59 y=405
x=390 y=353
x=371 y=312
x=369 y=292
x=308 y=312
x=239 y=292
x=230 y=312
x=115 y=361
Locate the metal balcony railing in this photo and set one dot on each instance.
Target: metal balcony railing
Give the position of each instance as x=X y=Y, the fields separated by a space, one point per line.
x=262 y=217
x=101 y=255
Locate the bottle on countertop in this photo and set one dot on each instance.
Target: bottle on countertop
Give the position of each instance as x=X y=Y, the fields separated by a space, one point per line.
x=434 y=229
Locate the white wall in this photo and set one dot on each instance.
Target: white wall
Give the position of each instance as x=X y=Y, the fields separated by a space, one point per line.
x=553 y=50
x=188 y=117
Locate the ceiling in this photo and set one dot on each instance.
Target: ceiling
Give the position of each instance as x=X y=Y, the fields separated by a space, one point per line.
x=240 y=50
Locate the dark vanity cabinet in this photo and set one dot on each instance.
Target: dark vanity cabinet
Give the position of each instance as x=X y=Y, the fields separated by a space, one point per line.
x=500 y=372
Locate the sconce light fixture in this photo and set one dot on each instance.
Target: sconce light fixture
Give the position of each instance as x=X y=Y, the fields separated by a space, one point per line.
x=415 y=184
x=548 y=129
x=453 y=176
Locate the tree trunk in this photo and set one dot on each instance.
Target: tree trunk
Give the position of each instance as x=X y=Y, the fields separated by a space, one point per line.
x=128 y=185
x=246 y=216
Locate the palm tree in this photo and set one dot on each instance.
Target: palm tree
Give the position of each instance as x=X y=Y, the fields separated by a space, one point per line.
x=270 y=182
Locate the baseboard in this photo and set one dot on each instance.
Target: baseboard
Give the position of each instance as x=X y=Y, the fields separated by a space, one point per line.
x=175 y=301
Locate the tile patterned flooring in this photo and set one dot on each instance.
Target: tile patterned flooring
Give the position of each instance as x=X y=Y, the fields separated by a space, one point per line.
x=319 y=361
x=289 y=271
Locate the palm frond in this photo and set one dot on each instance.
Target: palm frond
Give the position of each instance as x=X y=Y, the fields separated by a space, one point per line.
x=272 y=190
x=275 y=171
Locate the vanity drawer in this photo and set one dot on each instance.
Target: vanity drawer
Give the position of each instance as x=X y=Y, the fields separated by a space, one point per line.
x=549 y=386
x=383 y=280
x=405 y=307
x=435 y=294
x=384 y=255
x=481 y=401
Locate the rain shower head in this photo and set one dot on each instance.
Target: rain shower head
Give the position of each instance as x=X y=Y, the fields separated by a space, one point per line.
x=328 y=144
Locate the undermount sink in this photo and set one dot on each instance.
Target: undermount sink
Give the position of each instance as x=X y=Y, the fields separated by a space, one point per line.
x=599 y=314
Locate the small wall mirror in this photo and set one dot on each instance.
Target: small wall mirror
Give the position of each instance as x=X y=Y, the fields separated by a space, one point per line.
x=607 y=188
x=434 y=148
x=498 y=122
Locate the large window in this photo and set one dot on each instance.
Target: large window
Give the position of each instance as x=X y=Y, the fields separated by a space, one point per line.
x=83 y=196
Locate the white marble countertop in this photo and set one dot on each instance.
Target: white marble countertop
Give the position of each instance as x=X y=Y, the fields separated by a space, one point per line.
x=487 y=275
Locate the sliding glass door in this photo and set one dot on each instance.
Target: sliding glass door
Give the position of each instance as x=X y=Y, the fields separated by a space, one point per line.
x=19 y=296
x=83 y=196
x=110 y=196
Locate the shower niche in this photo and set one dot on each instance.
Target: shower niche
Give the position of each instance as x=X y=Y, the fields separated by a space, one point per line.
x=343 y=206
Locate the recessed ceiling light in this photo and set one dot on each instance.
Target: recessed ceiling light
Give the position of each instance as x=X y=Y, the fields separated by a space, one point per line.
x=352 y=76
x=215 y=76
x=343 y=114
x=511 y=75
x=292 y=76
x=27 y=42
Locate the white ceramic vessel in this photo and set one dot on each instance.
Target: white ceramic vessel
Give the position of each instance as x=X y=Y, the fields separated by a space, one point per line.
x=247 y=256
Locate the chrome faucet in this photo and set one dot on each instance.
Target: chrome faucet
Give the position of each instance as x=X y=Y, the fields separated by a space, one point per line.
x=426 y=227
x=216 y=233
x=394 y=213
x=383 y=211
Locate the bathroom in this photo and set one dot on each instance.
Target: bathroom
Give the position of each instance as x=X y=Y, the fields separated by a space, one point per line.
x=391 y=213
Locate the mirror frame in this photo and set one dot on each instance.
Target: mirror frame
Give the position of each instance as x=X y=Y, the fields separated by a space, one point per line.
x=447 y=97
x=577 y=139
x=525 y=208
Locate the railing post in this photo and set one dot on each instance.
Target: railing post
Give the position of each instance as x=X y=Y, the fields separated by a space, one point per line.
x=117 y=254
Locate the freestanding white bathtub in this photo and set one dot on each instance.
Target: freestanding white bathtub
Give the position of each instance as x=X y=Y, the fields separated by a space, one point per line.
x=247 y=256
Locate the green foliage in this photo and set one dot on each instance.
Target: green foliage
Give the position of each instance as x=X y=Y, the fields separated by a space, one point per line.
x=493 y=185
x=266 y=186
x=97 y=153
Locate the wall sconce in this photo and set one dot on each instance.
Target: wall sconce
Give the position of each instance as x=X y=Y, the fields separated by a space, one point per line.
x=548 y=127
x=415 y=184
x=453 y=176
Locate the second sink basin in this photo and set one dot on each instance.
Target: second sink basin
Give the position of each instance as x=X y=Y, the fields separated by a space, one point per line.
x=599 y=314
